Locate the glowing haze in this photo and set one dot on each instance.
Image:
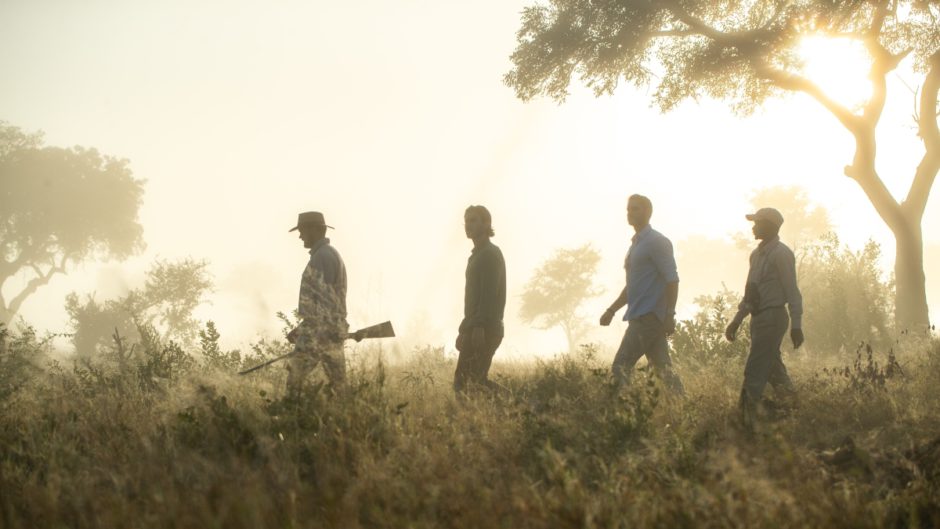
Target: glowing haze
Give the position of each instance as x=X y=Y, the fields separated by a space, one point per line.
x=391 y=118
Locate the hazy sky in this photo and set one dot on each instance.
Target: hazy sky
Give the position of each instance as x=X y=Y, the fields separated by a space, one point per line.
x=391 y=117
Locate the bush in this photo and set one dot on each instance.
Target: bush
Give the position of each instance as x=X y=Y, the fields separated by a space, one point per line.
x=701 y=341
x=845 y=298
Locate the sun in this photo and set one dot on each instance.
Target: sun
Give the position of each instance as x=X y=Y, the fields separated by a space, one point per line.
x=838 y=66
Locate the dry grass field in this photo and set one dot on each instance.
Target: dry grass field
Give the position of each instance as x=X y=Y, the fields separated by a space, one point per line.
x=157 y=436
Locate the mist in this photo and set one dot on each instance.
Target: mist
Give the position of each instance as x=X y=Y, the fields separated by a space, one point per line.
x=392 y=122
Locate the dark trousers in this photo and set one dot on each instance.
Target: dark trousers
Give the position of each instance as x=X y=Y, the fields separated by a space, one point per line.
x=473 y=365
x=764 y=362
x=645 y=336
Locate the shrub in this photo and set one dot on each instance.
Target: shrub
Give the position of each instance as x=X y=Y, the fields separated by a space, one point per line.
x=701 y=341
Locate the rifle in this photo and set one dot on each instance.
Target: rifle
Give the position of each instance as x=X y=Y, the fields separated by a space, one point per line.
x=381 y=330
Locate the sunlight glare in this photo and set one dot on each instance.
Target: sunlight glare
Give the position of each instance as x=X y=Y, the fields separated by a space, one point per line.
x=839 y=67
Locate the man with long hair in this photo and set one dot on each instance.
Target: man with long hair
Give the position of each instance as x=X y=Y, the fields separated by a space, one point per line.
x=481 y=330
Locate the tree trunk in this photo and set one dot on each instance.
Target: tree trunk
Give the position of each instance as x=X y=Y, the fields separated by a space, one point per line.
x=910 y=285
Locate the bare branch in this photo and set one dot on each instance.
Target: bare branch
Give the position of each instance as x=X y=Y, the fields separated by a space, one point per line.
x=916 y=201
x=30 y=289
x=883 y=63
x=789 y=81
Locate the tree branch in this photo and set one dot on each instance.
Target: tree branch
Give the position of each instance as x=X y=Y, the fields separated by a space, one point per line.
x=41 y=279
x=789 y=81
x=699 y=27
x=666 y=33
x=916 y=201
x=878 y=19
x=883 y=62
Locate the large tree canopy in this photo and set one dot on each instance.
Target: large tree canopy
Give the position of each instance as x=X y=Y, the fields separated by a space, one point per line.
x=59 y=207
x=745 y=52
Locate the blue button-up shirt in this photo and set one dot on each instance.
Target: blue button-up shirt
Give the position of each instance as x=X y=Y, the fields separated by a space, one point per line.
x=650 y=265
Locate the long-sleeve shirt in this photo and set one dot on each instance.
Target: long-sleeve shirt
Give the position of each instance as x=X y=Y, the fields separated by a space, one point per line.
x=773 y=277
x=484 y=298
x=322 y=300
x=649 y=265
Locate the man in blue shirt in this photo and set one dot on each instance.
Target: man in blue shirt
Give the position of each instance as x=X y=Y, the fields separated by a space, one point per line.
x=650 y=296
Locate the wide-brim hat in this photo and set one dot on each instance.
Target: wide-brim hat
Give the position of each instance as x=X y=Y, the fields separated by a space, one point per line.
x=770 y=215
x=310 y=218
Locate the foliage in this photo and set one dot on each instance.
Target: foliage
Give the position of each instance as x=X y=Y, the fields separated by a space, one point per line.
x=700 y=341
x=725 y=50
x=866 y=373
x=213 y=356
x=59 y=207
x=171 y=292
x=20 y=355
x=558 y=288
x=93 y=446
x=845 y=297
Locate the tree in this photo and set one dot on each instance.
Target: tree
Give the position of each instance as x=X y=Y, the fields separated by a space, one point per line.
x=745 y=53
x=59 y=207
x=163 y=307
x=558 y=288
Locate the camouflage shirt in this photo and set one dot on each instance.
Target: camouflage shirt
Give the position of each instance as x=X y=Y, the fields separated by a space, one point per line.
x=322 y=303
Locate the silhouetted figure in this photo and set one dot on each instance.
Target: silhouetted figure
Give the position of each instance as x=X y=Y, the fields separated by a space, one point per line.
x=771 y=284
x=481 y=330
x=650 y=296
x=322 y=308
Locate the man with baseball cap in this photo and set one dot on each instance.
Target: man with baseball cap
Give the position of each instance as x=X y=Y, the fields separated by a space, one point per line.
x=321 y=306
x=771 y=284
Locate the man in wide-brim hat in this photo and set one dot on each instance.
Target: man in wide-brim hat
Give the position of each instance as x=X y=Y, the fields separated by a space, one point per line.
x=321 y=306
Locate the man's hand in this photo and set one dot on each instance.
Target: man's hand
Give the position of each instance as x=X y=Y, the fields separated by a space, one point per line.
x=357 y=336
x=607 y=317
x=478 y=339
x=797 y=336
x=292 y=335
x=670 y=324
x=732 y=329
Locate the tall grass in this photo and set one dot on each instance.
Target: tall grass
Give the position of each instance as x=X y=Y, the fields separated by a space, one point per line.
x=172 y=438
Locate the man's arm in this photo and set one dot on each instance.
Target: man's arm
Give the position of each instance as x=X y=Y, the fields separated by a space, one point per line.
x=672 y=296
x=665 y=260
x=786 y=271
x=618 y=304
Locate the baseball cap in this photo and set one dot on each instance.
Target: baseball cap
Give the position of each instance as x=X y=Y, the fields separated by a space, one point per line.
x=769 y=214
